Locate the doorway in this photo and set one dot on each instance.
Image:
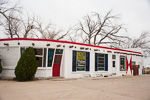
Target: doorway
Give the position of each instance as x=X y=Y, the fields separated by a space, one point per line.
x=135 y=69
x=57 y=63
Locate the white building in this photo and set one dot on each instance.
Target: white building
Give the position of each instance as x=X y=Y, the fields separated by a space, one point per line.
x=69 y=59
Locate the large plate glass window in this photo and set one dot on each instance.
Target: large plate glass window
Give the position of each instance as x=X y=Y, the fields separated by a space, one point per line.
x=122 y=63
x=80 y=61
x=101 y=62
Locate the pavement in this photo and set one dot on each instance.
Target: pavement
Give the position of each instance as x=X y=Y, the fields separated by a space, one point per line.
x=108 y=88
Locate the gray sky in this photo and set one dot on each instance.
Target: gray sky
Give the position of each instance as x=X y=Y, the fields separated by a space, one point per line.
x=135 y=14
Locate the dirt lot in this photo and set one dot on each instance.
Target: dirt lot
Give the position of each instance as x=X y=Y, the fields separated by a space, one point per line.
x=114 y=88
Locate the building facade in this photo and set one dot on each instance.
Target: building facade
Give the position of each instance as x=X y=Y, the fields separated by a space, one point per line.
x=69 y=59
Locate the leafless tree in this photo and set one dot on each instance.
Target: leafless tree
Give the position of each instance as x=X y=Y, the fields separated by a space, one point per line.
x=18 y=24
x=143 y=42
x=10 y=19
x=28 y=26
x=97 y=30
x=48 y=31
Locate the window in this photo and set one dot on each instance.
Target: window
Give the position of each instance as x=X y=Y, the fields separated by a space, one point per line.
x=80 y=61
x=122 y=63
x=50 y=57
x=22 y=50
x=133 y=63
x=57 y=59
x=101 y=62
x=113 y=56
x=40 y=54
x=59 y=51
x=113 y=62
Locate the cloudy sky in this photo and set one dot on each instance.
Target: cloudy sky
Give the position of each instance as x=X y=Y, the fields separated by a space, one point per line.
x=135 y=14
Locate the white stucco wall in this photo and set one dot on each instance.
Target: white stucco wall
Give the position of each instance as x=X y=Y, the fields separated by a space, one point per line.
x=11 y=54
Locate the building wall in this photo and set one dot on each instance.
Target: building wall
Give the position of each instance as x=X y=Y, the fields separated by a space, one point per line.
x=9 y=57
x=11 y=54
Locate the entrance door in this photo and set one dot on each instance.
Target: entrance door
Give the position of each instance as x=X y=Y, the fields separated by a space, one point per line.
x=56 y=65
x=135 y=69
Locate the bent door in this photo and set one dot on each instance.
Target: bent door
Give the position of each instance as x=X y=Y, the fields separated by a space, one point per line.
x=56 y=65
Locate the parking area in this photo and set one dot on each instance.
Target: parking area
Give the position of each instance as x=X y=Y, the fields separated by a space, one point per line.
x=110 y=88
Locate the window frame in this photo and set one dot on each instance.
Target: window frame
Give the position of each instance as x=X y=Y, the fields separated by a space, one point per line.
x=74 y=61
x=105 y=60
x=101 y=63
x=53 y=58
x=124 y=68
x=113 y=57
x=42 y=56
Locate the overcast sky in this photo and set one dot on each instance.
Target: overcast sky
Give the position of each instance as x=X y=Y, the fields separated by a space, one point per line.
x=135 y=14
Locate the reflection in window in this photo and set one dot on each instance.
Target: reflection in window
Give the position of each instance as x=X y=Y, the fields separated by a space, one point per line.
x=122 y=63
x=40 y=54
x=59 y=51
x=57 y=59
x=22 y=50
x=38 y=51
x=50 y=57
x=101 y=62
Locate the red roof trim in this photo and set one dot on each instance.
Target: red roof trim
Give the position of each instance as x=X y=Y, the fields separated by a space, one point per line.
x=32 y=39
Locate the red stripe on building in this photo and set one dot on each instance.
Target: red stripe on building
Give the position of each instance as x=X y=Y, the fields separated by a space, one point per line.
x=33 y=39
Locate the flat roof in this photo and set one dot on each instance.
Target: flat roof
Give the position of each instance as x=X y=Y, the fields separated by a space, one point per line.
x=60 y=41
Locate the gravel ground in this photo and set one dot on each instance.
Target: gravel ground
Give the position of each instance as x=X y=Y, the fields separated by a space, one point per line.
x=112 y=88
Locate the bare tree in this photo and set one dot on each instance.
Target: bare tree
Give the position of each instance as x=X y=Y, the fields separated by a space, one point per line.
x=28 y=26
x=98 y=30
x=48 y=31
x=17 y=24
x=10 y=19
x=143 y=42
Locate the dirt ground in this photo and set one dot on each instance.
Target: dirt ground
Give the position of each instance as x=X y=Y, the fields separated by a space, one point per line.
x=112 y=88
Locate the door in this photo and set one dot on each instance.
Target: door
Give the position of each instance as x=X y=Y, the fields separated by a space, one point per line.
x=135 y=69
x=56 y=65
